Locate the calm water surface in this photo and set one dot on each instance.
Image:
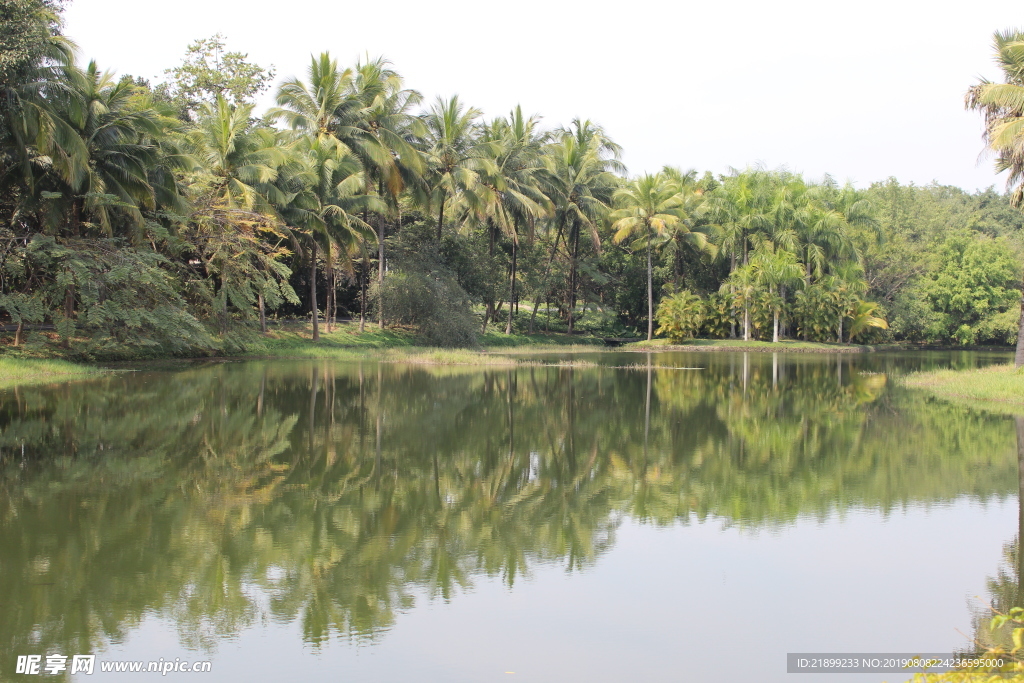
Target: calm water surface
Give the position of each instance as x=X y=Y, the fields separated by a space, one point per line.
x=365 y=522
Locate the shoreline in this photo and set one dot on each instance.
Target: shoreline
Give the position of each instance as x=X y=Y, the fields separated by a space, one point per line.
x=401 y=346
x=996 y=388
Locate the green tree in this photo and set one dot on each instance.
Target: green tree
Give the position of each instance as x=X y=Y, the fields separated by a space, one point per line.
x=648 y=207
x=455 y=155
x=1002 y=105
x=210 y=71
x=582 y=160
x=774 y=269
x=234 y=194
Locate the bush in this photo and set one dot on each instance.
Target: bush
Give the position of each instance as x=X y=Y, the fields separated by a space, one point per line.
x=434 y=303
x=680 y=315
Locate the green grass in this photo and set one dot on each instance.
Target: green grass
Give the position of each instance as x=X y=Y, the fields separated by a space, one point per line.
x=346 y=343
x=996 y=388
x=22 y=371
x=740 y=345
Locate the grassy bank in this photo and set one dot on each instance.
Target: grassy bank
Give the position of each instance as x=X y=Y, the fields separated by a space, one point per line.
x=22 y=371
x=740 y=345
x=346 y=343
x=996 y=388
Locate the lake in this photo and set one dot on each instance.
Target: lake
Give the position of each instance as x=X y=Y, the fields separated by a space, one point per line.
x=599 y=517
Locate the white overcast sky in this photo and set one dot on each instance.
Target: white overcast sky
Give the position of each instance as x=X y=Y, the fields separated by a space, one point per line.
x=861 y=90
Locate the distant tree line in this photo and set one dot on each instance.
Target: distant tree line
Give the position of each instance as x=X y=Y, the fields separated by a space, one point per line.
x=175 y=218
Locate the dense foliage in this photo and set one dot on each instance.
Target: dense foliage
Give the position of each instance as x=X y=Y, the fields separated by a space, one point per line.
x=172 y=218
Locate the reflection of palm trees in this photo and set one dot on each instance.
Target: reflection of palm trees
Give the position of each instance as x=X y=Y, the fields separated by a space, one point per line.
x=344 y=491
x=1006 y=589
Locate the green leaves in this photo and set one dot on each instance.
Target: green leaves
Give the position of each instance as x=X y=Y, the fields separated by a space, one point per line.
x=680 y=315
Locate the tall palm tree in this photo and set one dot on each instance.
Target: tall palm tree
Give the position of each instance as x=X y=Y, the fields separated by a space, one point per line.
x=774 y=269
x=107 y=174
x=386 y=119
x=512 y=196
x=234 y=188
x=694 y=230
x=323 y=195
x=582 y=180
x=742 y=207
x=1002 y=105
x=454 y=154
x=650 y=206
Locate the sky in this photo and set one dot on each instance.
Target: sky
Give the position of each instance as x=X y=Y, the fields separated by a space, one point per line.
x=861 y=91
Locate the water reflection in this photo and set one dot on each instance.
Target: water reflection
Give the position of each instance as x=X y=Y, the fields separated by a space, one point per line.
x=331 y=495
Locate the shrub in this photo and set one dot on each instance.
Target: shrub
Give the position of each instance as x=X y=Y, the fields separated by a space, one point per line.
x=433 y=302
x=680 y=315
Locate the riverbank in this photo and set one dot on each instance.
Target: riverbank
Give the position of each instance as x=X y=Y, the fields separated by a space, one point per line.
x=995 y=388
x=789 y=346
x=346 y=343
x=24 y=371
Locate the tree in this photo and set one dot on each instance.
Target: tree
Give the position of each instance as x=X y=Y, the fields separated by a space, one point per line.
x=209 y=72
x=1002 y=105
x=774 y=269
x=454 y=154
x=235 y=197
x=395 y=163
x=511 y=194
x=649 y=206
x=323 y=193
x=581 y=183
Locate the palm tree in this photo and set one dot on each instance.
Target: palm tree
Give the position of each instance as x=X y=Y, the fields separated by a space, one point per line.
x=774 y=269
x=106 y=171
x=323 y=190
x=328 y=105
x=454 y=154
x=694 y=230
x=743 y=206
x=1002 y=105
x=581 y=184
x=384 y=118
x=650 y=206
x=234 y=188
x=97 y=163
x=512 y=196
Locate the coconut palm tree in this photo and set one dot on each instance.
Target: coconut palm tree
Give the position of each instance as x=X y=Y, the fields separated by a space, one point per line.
x=235 y=195
x=583 y=161
x=648 y=207
x=512 y=196
x=323 y=195
x=774 y=269
x=1002 y=105
x=384 y=117
x=455 y=156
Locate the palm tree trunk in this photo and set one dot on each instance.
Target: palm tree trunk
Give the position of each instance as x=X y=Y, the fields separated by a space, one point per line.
x=1018 y=359
x=489 y=313
x=533 y=316
x=650 y=290
x=312 y=292
x=329 y=310
x=263 y=314
x=69 y=310
x=380 y=265
x=440 y=218
x=775 y=327
x=362 y=295
x=746 y=321
x=18 y=333
x=572 y=275
x=512 y=287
